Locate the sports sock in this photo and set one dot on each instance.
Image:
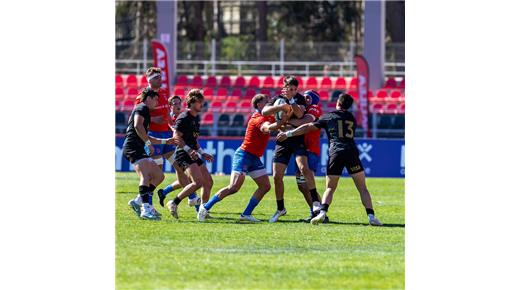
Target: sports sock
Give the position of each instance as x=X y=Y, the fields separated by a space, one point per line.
x=253 y=202
x=324 y=207
x=143 y=192
x=151 y=187
x=197 y=208
x=167 y=189
x=370 y=211
x=279 y=204
x=314 y=195
x=176 y=200
x=193 y=195
x=211 y=202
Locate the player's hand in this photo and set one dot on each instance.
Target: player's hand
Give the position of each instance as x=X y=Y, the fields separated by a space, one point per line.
x=150 y=149
x=281 y=136
x=286 y=108
x=207 y=157
x=172 y=141
x=193 y=154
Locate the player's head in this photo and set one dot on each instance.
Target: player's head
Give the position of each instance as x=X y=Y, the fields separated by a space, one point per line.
x=149 y=97
x=175 y=103
x=290 y=86
x=195 y=100
x=311 y=97
x=154 y=77
x=344 y=102
x=259 y=101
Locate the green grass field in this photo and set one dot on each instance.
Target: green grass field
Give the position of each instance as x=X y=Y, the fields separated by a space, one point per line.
x=225 y=254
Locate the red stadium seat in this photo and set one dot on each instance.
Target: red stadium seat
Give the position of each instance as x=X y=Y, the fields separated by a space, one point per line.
x=395 y=96
x=244 y=107
x=354 y=95
x=120 y=94
x=143 y=82
x=178 y=92
x=131 y=82
x=119 y=104
x=354 y=83
x=326 y=83
x=279 y=84
x=131 y=94
x=240 y=82
x=208 y=94
x=128 y=105
x=265 y=92
x=236 y=95
x=225 y=81
x=182 y=81
x=376 y=108
x=324 y=95
x=215 y=106
x=401 y=109
x=300 y=81
x=401 y=84
x=381 y=95
x=390 y=83
x=222 y=94
x=278 y=92
x=197 y=82
x=331 y=107
x=229 y=107
x=207 y=119
x=340 y=83
x=250 y=93
x=254 y=82
x=391 y=108
x=211 y=82
x=119 y=81
x=268 y=82
x=311 y=84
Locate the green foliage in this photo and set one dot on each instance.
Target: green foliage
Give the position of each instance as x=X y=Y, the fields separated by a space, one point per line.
x=225 y=254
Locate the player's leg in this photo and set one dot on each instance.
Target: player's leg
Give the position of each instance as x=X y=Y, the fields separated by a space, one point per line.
x=146 y=168
x=193 y=172
x=263 y=187
x=278 y=174
x=235 y=183
x=302 y=187
x=359 y=180
x=207 y=182
x=303 y=166
x=331 y=183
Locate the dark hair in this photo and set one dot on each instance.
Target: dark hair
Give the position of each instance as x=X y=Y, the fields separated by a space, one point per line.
x=257 y=99
x=345 y=101
x=290 y=81
x=152 y=70
x=194 y=95
x=173 y=98
x=148 y=92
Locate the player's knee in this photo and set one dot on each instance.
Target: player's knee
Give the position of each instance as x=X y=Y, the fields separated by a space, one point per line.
x=278 y=177
x=265 y=187
x=233 y=188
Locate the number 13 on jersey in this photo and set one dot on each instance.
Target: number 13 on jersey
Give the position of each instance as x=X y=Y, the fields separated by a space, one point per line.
x=349 y=130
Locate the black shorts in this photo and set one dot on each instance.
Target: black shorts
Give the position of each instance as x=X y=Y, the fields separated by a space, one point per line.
x=134 y=154
x=344 y=158
x=284 y=150
x=184 y=160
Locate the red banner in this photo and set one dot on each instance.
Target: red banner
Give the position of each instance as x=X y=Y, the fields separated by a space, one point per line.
x=362 y=75
x=160 y=60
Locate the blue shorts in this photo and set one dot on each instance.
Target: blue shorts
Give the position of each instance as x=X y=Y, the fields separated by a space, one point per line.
x=312 y=160
x=160 y=149
x=247 y=163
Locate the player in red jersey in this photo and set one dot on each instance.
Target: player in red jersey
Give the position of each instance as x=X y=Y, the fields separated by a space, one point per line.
x=247 y=161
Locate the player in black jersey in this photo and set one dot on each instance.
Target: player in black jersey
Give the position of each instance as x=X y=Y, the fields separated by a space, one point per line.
x=150 y=175
x=340 y=126
x=294 y=107
x=189 y=153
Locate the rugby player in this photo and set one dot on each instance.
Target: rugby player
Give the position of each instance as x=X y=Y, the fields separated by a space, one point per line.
x=175 y=103
x=294 y=145
x=187 y=130
x=247 y=161
x=150 y=175
x=340 y=126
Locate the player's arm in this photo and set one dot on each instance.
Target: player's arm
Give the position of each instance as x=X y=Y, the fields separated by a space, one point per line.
x=298 y=110
x=303 y=129
x=272 y=109
x=307 y=118
x=177 y=136
x=269 y=127
x=208 y=157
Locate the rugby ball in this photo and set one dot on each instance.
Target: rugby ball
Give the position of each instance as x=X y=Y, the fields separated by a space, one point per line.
x=278 y=115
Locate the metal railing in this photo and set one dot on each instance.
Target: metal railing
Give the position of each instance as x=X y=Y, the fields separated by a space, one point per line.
x=273 y=68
